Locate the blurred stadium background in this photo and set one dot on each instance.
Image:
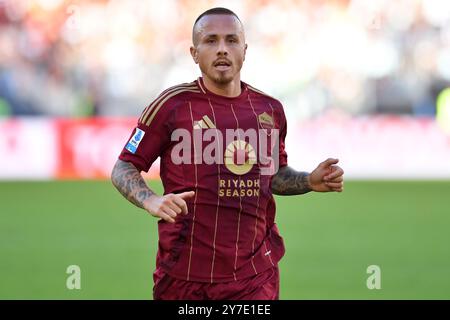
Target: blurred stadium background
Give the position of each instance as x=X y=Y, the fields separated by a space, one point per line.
x=365 y=81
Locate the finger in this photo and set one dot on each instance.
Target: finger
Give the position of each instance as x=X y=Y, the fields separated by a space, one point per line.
x=337 y=172
x=328 y=162
x=167 y=210
x=187 y=194
x=181 y=204
x=166 y=217
x=339 y=189
x=338 y=179
x=334 y=185
x=173 y=205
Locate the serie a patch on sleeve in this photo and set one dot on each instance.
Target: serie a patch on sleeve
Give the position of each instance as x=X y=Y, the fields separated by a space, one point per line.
x=133 y=144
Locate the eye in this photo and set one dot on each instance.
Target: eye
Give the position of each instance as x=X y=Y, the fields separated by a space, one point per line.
x=232 y=40
x=210 y=40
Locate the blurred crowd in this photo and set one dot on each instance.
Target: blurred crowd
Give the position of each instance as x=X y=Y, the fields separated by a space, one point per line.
x=112 y=57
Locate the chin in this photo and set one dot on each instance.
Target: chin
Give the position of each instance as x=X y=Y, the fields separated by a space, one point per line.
x=222 y=79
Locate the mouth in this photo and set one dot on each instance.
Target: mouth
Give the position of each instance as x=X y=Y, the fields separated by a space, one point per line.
x=222 y=65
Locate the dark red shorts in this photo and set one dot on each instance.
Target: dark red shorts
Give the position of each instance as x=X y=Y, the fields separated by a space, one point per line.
x=263 y=286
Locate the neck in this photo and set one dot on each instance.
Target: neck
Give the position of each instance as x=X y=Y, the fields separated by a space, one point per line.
x=231 y=89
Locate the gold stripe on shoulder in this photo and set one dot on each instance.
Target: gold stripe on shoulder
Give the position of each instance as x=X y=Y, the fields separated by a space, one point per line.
x=181 y=85
x=167 y=97
x=147 y=110
x=259 y=91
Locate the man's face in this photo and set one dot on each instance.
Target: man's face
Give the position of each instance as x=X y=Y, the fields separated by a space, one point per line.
x=219 y=47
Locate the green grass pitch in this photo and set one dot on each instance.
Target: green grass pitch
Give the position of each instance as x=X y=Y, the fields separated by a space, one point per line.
x=331 y=239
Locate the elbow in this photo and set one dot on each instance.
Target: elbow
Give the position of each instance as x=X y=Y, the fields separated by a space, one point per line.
x=113 y=175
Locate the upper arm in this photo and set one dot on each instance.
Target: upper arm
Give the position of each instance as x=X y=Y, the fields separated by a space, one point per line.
x=150 y=137
x=282 y=126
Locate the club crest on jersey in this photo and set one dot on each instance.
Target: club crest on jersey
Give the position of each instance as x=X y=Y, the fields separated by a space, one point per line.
x=133 y=144
x=265 y=120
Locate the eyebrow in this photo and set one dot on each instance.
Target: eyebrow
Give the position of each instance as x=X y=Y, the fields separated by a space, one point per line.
x=216 y=35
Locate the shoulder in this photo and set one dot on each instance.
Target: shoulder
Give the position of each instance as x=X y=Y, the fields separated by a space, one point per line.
x=275 y=105
x=167 y=101
x=263 y=96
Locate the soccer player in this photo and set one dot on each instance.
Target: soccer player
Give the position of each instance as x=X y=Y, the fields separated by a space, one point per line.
x=219 y=166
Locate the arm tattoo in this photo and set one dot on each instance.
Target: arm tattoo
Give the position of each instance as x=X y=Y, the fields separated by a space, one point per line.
x=128 y=180
x=287 y=181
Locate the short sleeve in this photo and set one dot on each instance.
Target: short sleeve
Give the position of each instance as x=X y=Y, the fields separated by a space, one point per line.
x=149 y=138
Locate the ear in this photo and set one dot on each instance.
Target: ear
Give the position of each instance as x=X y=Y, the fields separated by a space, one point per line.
x=194 y=54
x=245 y=50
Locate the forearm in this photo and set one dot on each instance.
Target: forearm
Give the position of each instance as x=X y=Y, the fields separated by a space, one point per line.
x=128 y=180
x=287 y=181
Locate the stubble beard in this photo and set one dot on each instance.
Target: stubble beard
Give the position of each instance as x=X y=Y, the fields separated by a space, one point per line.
x=222 y=79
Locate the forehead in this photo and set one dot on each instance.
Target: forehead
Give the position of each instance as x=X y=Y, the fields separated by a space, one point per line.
x=218 y=24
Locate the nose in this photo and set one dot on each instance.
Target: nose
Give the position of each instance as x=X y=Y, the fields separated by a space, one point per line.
x=222 y=48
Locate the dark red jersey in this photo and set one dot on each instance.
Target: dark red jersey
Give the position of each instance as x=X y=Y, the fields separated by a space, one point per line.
x=207 y=143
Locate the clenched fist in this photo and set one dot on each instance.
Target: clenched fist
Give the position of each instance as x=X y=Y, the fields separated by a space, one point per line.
x=327 y=177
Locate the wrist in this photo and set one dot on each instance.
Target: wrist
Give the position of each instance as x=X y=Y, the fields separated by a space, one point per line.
x=308 y=182
x=149 y=203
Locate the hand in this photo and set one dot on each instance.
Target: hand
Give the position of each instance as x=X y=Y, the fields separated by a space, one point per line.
x=169 y=206
x=327 y=177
